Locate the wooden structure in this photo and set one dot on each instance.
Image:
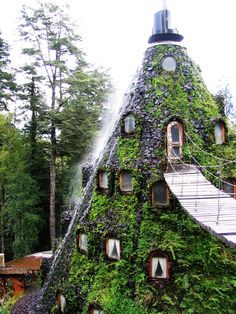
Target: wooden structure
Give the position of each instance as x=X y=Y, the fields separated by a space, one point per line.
x=212 y=208
x=21 y=273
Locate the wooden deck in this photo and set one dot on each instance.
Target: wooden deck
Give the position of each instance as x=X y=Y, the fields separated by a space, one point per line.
x=213 y=209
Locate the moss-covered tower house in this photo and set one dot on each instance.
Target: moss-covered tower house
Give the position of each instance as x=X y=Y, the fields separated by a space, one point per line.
x=156 y=227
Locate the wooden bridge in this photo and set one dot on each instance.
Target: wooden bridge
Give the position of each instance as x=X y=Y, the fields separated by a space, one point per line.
x=210 y=207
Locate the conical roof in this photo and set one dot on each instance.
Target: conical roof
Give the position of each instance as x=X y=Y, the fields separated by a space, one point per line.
x=157 y=97
x=168 y=93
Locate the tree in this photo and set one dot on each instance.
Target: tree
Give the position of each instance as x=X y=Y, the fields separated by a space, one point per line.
x=34 y=111
x=81 y=115
x=7 y=83
x=35 y=115
x=52 y=47
x=224 y=100
x=20 y=219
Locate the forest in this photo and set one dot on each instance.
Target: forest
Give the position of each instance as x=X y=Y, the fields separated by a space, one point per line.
x=51 y=109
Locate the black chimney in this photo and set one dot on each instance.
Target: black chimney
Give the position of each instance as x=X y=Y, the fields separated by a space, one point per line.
x=162 y=30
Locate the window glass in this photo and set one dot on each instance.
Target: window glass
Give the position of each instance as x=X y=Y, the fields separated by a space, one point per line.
x=228 y=188
x=83 y=242
x=113 y=248
x=129 y=124
x=169 y=64
x=61 y=302
x=175 y=133
x=103 y=180
x=126 y=184
x=175 y=151
x=174 y=140
x=159 y=194
x=95 y=311
x=159 y=267
x=219 y=133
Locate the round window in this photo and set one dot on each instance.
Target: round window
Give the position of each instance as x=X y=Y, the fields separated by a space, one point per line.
x=169 y=64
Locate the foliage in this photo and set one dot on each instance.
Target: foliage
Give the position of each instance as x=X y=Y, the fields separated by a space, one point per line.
x=51 y=43
x=75 y=93
x=7 y=83
x=202 y=268
x=21 y=220
x=224 y=100
x=9 y=303
x=81 y=114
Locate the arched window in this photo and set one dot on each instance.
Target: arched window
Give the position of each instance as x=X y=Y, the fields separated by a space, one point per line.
x=219 y=132
x=82 y=242
x=102 y=180
x=95 y=310
x=129 y=124
x=160 y=194
x=113 y=249
x=229 y=187
x=158 y=266
x=126 y=184
x=174 y=140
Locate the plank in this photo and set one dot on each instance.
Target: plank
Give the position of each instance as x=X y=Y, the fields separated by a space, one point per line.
x=203 y=201
x=231 y=238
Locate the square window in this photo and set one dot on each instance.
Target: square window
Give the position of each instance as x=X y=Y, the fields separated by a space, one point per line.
x=160 y=194
x=126 y=184
x=158 y=268
x=129 y=124
x=103 y=180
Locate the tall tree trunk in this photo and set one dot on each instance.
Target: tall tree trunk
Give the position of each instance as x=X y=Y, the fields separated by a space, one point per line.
x=53 y=172
x=33 y=128
x=53 y=187
x=2 y=222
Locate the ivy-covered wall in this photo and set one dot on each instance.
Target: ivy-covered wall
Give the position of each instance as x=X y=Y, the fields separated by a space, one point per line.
x=202 y=268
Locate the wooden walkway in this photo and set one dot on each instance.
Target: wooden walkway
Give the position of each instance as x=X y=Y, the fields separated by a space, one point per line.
x=213 y=209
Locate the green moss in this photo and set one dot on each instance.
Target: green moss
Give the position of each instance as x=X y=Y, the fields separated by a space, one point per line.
x=202 y=268
x=128 y=148
x=128 y=151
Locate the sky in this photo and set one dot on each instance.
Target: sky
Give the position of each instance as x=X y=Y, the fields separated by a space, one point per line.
x=115 y=35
